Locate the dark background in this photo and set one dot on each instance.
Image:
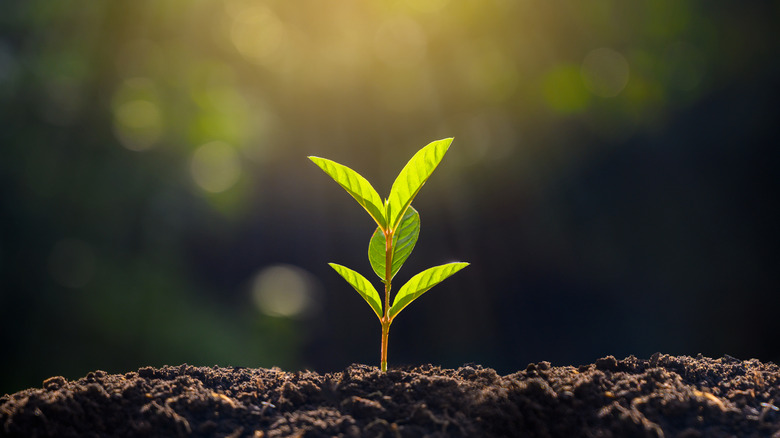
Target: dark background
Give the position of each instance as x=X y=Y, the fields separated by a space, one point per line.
x=613 y=181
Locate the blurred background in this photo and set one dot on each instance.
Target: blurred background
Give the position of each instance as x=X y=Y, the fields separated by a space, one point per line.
x=612 y=180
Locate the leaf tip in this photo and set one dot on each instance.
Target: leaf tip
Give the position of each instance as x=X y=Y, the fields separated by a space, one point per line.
x=442 y=143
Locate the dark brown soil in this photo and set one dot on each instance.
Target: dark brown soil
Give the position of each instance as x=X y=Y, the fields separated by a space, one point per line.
x=665 y=396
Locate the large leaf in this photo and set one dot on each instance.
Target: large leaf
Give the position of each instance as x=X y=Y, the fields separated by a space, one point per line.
x=421 y=283
x=355 y=185
x=362 y=286
x=404 y=239
x=411 y=179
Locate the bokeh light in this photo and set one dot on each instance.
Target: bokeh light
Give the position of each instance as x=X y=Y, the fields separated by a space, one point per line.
x=257 y=32
x=612 y=180
x=605 y=72
x=215 y=166
x=285 y=291
x=138 y=121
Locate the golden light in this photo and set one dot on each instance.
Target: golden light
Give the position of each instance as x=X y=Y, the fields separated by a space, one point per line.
x=400 y=42
x=428 y=6
x=257 y=32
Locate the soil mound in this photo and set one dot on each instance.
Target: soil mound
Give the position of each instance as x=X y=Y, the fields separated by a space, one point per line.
x=664 y=396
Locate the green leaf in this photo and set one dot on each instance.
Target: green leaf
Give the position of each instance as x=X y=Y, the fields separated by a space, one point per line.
x=362 y=286
x=421 y=283
x=411 y=179
x=357 y=186
x=404 y=239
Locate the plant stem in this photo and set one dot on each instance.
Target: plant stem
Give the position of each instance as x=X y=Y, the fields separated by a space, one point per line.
x=383 y=360
x=386 y=319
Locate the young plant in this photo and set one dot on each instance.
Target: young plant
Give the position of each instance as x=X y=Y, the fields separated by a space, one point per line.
x=398 y=226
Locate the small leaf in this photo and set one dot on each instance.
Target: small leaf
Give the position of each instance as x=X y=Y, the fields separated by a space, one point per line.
x=421 y=283
x=404 y=239
x=357 y=186
x=411 y=179
x=362 y=286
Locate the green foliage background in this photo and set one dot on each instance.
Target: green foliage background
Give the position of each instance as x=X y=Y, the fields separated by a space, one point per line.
x=152 y=163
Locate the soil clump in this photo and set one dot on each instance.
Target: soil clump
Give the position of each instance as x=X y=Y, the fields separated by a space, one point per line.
x=663 y=396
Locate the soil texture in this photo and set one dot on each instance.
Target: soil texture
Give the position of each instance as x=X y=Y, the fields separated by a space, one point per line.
x=663 y=396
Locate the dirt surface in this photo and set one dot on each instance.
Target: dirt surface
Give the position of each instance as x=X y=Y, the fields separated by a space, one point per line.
x=664 y=396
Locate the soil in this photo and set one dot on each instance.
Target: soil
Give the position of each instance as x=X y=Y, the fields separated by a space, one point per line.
x=663 y=396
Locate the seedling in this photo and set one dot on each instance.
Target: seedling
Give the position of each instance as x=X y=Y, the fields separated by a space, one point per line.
x=398 y=226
